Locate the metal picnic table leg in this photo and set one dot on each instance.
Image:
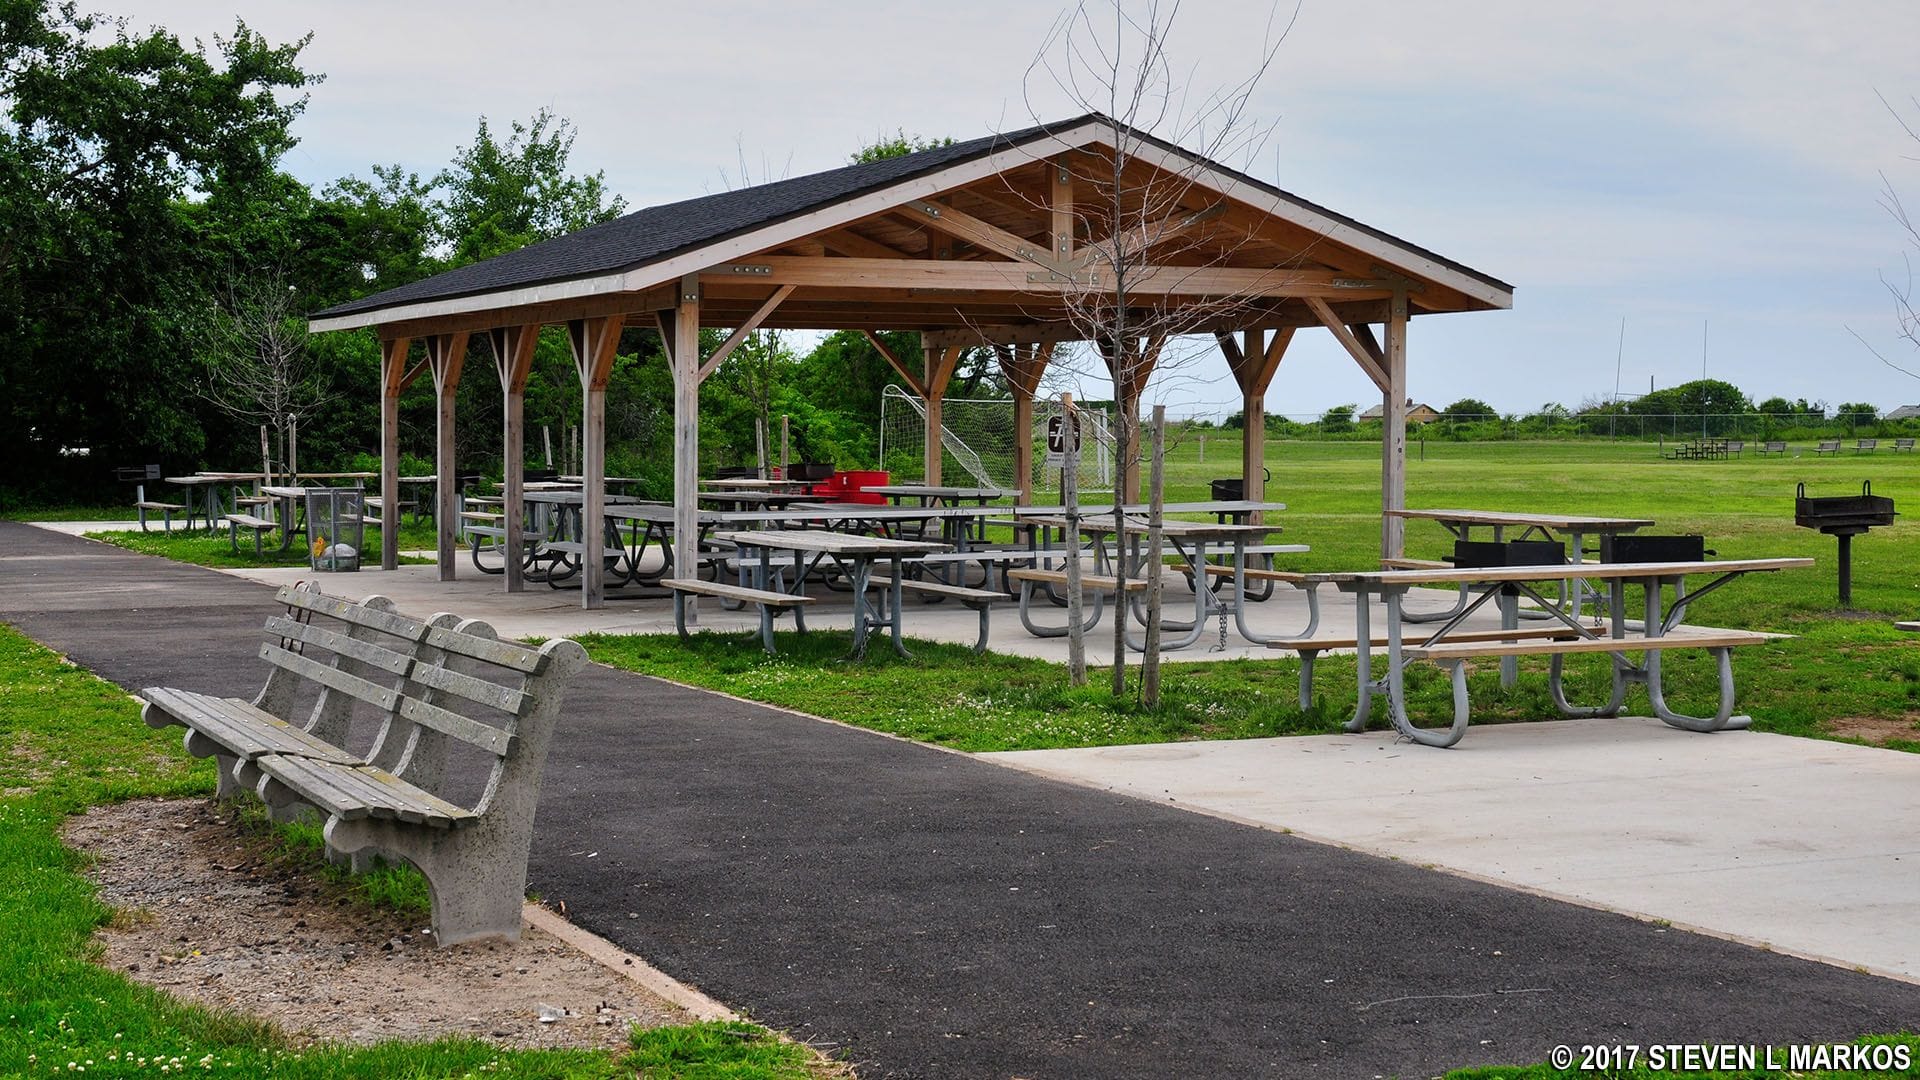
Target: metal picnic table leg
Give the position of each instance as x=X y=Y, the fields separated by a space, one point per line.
x=893 y=601
x=1363 y=661
x=1397 y=688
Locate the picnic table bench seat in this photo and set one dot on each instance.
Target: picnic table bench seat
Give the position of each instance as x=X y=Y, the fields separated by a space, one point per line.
x=1772 y=446
x=980 y=600
x=260 y=527
x=143 y=507
x=1310 y=648
x=1720 y=643
x=767 y=600
x=1827 y=446
x=427 y=689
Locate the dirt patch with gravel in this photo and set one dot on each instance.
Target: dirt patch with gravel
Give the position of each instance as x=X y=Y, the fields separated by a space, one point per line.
x=1874 y=729
x=208 y=913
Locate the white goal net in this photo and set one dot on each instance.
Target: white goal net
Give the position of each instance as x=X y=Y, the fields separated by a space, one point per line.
x=977 y=438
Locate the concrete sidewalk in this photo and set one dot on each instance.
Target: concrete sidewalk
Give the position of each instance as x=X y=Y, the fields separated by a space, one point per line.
x=1804 y=846
x=929 y=914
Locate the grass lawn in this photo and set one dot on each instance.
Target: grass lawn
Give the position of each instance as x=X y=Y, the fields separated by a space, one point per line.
x=69 y=740
x=216 y=549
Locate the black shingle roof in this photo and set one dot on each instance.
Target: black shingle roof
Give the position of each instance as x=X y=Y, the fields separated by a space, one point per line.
x=658 y=233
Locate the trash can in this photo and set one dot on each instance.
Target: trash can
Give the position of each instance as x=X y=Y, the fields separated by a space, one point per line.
x=336 y=527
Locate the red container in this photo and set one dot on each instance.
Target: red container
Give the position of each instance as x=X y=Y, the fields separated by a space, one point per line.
x=851 y=481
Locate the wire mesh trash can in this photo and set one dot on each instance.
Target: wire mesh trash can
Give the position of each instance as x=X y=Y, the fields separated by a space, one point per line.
x=336 y=527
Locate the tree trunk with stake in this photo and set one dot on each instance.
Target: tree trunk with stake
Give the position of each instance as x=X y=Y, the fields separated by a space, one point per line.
x=1156 y=499
x=1070 y=507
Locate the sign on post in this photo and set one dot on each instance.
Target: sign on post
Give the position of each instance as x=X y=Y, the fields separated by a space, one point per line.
x=1058 y=431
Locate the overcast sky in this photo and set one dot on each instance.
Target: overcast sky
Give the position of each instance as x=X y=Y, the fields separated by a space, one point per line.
x=1709 y=171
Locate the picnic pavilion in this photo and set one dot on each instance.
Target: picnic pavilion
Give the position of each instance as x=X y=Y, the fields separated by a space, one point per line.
x=993 y=241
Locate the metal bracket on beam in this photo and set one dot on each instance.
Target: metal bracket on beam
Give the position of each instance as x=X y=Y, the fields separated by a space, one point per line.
x=1049 y=277
x=750 y=269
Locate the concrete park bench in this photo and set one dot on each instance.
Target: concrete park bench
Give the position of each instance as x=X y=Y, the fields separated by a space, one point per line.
x=429 y=690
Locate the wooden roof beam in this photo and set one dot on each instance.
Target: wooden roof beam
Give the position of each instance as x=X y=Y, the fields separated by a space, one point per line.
x=1029 y=277
x=914 y=382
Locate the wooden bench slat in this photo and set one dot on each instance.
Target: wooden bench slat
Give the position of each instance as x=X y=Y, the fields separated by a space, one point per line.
x=1254 y=573
x=1723 y=639
x=1322 y=644
x=150 y=505
x=367 y=652
x=736 y=592
x=505 y=698
x=447 y=722
x=506 y=654
x=248 y=521
x=347 y=611
x=353 y=791
x=241 y=727
x=332 y=678
x=938 y=588
x=1103 y=582
x=1415 y=564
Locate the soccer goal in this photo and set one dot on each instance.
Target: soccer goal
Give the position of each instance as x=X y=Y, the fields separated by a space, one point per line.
x=977 y=436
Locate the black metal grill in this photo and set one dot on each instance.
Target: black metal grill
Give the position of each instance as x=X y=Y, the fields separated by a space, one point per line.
x=1843 y=517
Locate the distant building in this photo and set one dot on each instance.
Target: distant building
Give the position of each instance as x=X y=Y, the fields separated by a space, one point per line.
x=1904 y=412
x=1416 y=414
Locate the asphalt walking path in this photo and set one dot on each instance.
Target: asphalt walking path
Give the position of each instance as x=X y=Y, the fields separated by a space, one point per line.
x=931 y=915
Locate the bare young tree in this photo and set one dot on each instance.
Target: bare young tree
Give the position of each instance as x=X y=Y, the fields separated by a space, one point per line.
x=258 y=369
x=1152 y=227
x=1901 y=288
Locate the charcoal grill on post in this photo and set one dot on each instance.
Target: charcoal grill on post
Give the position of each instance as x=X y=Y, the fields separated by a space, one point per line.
x=1845 y=517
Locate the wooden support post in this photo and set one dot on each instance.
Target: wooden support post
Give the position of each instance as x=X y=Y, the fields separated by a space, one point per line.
x=393 y=369
x=446 y=355
x=513 y=360
x=786 y=447
x=1022 y=366
x=1253 y=361
x=593 y=342
x=1393 y=441
x=686 y=436
x=939 y=371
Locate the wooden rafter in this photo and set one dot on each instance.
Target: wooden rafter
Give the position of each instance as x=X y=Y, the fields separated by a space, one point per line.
x=964 y=226
x=1146 y=235
x=447 y=355
x=393 y=360
x=850 y=243
x=740 y=332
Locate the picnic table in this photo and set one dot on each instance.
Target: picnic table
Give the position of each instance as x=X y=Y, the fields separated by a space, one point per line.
x=741 y=499
x=652 y=523
x=1660 y=627
x=1190 y=541
x=208 y=484
x=854 y=555
x=1237 y=511
x=754 y=483
x=1574 y=528
x=556 y=519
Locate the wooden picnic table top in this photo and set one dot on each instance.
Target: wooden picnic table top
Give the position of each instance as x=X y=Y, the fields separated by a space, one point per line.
x=1183 y=530
x=285 y=491
x=573 y=497
x=831 y=511
x=213 y=478
x=1561 y=571
x=551 y=485
x=763 y=498
x=831 y=543
x=1210 y=506
x=334 y=476
x=1563 y=522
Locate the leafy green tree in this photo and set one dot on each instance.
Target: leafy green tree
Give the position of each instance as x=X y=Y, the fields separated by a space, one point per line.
x=1470 y=409
x=1337 y=420
x=499 y=196
x=105 y=134
x=1859 y=412
x=900 y=144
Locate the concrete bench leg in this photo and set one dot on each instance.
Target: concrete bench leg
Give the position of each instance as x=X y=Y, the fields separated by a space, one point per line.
x=476 y=875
